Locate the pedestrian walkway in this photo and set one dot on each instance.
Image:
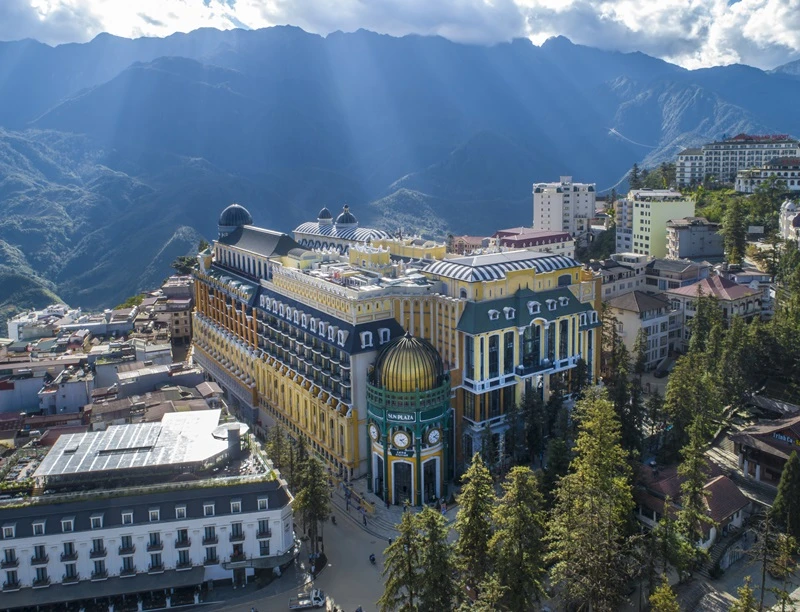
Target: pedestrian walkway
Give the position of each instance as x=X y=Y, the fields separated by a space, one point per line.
x=381 y=521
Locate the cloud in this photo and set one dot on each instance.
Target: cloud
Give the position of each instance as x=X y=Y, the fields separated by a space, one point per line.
x=692 y=33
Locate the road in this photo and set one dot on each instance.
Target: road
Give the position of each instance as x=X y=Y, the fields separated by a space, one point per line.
x=350 y=579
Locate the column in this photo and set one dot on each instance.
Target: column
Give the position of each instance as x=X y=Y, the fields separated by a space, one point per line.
x=758 y=472
x=744 y=467
x=418 y=465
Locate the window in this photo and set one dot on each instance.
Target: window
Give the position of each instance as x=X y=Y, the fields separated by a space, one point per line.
x=551 y=304
x=180 y=512
x=208 y=509
x=263 y=529
x=563 y=301
x=494 y=315
x=9 y=531
x=127 y=564
x=127 y=518
x=99 y=570
x=155 y=562
x=236 y=507
x=508 y=357
x=366 y=339
x=210 y=535
x=341 y=337
x=11 y=579
x=183 y=558
x=97 y=545
x=67 y=525
x=126 y=544
x=510 y=313
x=154 y=515
x=263 y=548
x=96 y=522
x=70 y=570
x=534 y=308
x=39 y=553
x=263 y=503
x=494 y=357
x=236 y=531
x=384 y=335
x=38 y=529
x=9 y=556
x=211 y=554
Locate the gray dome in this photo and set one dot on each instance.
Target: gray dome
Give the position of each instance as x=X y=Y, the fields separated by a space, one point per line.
x=235 y=215
x=346 y=217
x=324 y=214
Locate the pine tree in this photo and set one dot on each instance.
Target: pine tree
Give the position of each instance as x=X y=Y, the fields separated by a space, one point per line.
x=654 y=408
x=558 y=459
x=588 y=533
x=734 y=364
x=490 y=599
x=515 y=432
x=746 y=602
x=312 y=500
x=691 y=392
x=277 y=448
x=401 y=569
x=786 y=509
x=663 y=599
x=489 y=448
x=734 y=231
x=635 y=177
x=534 y=420
x=436 y=587
x=639 y=357
x=784 y=567
x=474 y=523
x=707 y=313
x=517 y=545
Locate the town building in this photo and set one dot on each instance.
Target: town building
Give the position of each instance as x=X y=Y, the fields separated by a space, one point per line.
x=338 y=234
x=152 y=509
x=764 y=448
x=411 y=248
x=789 y=221
x=467 y=245
x=564 y=207
x=641 y=217
x=70 y=391
x=621 y=273
x=531 y=239
x=662 y=274
x=786 y=169
x=290 y=334
x=636 y=312
x=43 y=323
x=175 y=306
x=694 y=238
x=115 y=323
x=690 y=168
x=732 y=299
x=21 y=382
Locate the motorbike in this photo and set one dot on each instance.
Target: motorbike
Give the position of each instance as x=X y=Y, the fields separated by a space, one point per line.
x=372 y=559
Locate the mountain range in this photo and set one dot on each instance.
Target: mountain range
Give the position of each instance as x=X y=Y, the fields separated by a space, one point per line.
x=117 y=155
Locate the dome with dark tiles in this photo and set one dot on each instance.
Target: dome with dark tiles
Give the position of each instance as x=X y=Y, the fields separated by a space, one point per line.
x=325 y=214
x=346 y=217
x=235 y=215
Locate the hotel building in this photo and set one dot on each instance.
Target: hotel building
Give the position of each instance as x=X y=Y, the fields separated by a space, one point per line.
x=642 y=217
x=564 y=207
x=298 y=337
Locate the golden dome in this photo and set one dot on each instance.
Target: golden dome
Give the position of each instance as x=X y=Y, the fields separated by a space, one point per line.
x=408 y=364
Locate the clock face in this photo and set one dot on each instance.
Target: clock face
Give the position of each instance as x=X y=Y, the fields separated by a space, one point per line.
x=401 y=439
x=373 y=432
x=434 y=435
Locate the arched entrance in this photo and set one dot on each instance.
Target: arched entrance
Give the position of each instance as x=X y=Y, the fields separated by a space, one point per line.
x=403 y=480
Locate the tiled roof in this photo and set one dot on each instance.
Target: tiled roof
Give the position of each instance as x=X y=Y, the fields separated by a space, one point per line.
x=725 y=498
x=638 y=301
x=357 y=234
x=720 y=288
x=495 y=265
x=260 y=241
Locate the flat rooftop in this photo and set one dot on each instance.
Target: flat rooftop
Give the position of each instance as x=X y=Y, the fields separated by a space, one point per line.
x=180 y=438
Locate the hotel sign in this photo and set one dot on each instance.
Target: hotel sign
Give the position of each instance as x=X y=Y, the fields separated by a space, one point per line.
x=405 y=452
x=404 y=417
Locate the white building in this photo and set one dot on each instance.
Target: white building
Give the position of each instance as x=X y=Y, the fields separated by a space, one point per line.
x=41 y=323
x=138 y=526
x=790 y=222
x=70 y=391
x=689 y=169
x=622 y=273
x=642 y=218
x=564 y=207
x=787 y=169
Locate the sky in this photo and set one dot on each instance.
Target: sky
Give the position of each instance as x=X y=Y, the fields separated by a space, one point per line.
x=691 y=33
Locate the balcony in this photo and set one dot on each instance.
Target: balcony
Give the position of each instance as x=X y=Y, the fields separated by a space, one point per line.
x=97 y=576
x=43 y=560
x=238 y=557
x=155 y=546
x=73 y=579
x=211 y=561
x=9 y=563
x=69 y=556
x=183 y=565
x=183 y=543
x=127 y=550
x=155 y=568
x=126 y=572
x=532 y=368
x=237 y=537
x=208 y=540
x=40 y=583
x=13 y=585
x=97 y=553
x=263 y=534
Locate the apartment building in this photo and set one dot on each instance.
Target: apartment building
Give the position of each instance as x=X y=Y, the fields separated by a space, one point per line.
x=112 y=513
x=689 y=168
x=786 y=169
x=564 y=206
x=694 y=237
x=531 y=239
x=641 y=219
x=621 y=273
x=789 y=221
x=639 y=311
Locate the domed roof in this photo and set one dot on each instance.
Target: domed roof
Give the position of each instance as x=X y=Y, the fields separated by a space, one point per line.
x=346 y=217
x=325 y=214
x=796 y=221
x=408 y=364
x=235 y=215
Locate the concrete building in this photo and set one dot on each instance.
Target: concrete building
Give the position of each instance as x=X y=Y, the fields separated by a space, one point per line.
x=153 y=510
x=694 y=237
x=764 y=448
x=621 y=273
x=44 y=323
x=663 y=274
x=560 y=243
x=295 y=344
x=789 y=221
x=466 y=245
x=564 y=207
x=70 y=391
x=690 y=168
x=642 y=216
x=110 y=323
x=786 y=169
x=638 y=311
x=722 y=160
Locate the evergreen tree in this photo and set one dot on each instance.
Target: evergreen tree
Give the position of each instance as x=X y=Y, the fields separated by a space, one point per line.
x=786 y=509
x=517 y=546
x=734 y=364
x=312 y=500
x=489 y=448
x=437 y=589
x=589 y=529
x=401 y=569
x=277 y=448
x=635 y=177
x=784 y=567
x=202 y=245
x=639 y=357
x=707 y=314
x=693 y=516
x=580 y=377
x=515 y=433
x=691 y=392
x=746 y=602
x=734 y=231
x=557 y=466
x=654 y=407
x=534 y=420
x=490 y=599
x=474 y=523
x=663 y=599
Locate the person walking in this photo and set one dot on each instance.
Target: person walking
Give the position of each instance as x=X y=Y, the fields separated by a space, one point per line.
x=364 y=516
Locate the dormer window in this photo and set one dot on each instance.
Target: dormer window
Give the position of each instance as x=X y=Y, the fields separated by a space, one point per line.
x=67 y=525
x=563 y=301
x=296 y=317
x=594 y=316
x=494 y=315
x=304 y=321
x=282 y=310
x=534 y=308
x=332 y=329
x=384 y=335
x=510 y=313
x=551 y=304
x=322 y=327
x=276 y=307
x=583 y=318
x=366 y=339
x=313 y=325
